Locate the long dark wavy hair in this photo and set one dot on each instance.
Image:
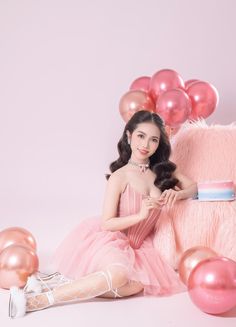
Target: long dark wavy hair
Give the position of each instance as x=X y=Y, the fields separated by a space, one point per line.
x=159 y=161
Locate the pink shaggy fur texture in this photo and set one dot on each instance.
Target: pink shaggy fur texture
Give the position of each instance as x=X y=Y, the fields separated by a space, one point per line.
x=204 y=153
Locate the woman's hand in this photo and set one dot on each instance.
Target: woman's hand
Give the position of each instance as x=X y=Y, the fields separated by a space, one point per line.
x=169 y=197
x=148 y=204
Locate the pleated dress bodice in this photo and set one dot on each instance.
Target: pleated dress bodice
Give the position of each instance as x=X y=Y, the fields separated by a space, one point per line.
x=130 y=203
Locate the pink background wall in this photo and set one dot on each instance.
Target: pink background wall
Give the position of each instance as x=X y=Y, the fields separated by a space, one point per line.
x=64 y=66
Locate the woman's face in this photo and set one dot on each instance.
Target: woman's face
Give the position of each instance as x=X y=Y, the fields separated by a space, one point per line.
x=144 y=140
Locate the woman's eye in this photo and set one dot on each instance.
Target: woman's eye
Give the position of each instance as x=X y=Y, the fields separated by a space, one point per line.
x=140 y=135
x=155 y=140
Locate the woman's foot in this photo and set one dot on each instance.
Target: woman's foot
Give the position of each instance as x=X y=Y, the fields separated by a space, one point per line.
x=36 y=295
x=20 y=302
x=39 y=302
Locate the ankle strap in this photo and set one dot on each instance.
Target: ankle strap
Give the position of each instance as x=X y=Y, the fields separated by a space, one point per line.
x=109 y=282
x=50 y=297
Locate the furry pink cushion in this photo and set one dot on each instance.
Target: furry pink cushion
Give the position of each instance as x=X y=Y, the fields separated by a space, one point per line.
x=203 y=153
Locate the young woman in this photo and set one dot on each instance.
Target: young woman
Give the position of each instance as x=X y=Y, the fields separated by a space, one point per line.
x=113 y=255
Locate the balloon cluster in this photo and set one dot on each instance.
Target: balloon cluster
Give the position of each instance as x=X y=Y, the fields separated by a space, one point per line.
x=168 y=95
x=211 y=279
x=18 y=258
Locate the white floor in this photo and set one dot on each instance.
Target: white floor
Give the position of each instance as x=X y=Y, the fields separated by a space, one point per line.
x=136 y=311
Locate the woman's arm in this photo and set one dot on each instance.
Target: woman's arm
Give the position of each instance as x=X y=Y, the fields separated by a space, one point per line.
x=110 y=221
x=186 y=188
x=120 y=223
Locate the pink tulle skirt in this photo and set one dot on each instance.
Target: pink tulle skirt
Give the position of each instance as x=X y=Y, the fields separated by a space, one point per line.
x=88 y=248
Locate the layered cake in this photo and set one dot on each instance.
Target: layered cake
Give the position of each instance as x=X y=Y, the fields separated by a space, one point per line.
x=216 y=191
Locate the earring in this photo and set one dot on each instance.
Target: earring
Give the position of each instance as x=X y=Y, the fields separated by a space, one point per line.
x=128 y=141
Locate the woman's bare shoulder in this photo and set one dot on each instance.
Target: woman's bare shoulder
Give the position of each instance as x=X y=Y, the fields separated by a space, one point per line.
x=118 y=177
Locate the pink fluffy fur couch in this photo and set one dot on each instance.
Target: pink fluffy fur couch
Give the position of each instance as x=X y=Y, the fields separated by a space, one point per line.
x=203 y=153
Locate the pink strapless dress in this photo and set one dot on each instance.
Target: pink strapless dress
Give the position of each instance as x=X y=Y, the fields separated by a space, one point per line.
x=88 y=248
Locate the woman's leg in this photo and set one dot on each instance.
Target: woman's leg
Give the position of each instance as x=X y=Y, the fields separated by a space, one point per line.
x=88 y=287
x=131 y=288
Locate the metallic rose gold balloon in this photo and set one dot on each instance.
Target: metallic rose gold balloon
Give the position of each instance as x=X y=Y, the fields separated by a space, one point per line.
x=204 y=98
x=164 y=80
x=191 y=258
x=16 y=235
x=17 y=262
x=212 y=285
x=134 y=101
x=174 y=106
x=142 y=83
x=171 y=131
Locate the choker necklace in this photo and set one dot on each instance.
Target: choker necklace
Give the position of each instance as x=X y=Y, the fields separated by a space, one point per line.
x=142 y=167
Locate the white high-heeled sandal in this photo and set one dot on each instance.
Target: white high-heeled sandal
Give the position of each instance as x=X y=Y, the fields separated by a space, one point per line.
x=18 y=301
x=35 y=285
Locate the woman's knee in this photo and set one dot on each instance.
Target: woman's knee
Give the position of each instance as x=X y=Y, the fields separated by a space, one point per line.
x=118 y=275
x=129 y=289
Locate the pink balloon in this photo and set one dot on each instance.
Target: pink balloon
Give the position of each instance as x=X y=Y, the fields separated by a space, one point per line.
x=141 y=83
x=212 y=285
x=189 y=82
x=174 y=106
x=165 y=80
x=16 y=235
x=17 y=262
x=190 y=258
x=134 y=101
x=204 y=98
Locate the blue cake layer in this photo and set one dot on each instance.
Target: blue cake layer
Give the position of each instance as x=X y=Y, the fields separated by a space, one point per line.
x=212 y=195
